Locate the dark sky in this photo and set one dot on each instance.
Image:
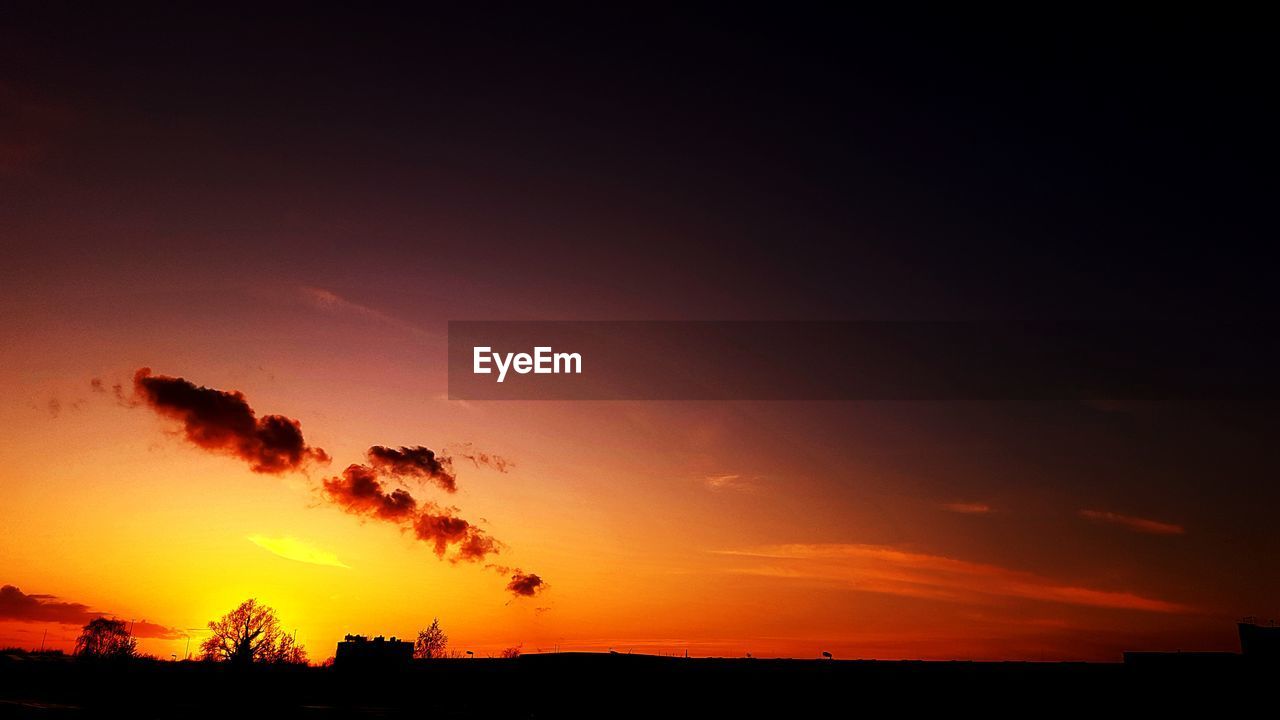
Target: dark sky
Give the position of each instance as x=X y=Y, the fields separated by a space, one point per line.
x=724 y=164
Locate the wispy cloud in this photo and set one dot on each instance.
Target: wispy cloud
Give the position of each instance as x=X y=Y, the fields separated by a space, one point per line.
x=291 y=548
x=968 y=508
x=335 y=304
x=1136 y=524
x=480 y=458
x=888 y=570
x=720 y=483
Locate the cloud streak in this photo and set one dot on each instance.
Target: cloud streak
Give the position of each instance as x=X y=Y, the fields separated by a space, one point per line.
x=1136 y=524
x=291 y=548
x=19 y=606
x=887 y=570
x=224 y=422
x=332 y=303
x=968 y=508
x=726 y=482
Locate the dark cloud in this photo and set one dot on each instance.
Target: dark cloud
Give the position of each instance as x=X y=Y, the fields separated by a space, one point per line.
x=525 y=584
x=442 y=529
x=417 y=462
x=17 y=605
x=358 y=491
x=145 y=629
x=223 y=422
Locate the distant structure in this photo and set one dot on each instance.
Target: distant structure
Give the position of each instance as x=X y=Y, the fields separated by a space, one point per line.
x=1259 y=644
x=357 y=652
x=1258 y=641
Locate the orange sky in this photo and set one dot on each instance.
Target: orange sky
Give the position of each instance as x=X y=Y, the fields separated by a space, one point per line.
x=717 y=528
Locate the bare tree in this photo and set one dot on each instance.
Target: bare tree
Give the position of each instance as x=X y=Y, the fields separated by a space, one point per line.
x=251 y=634
x=289 y=652
x=104 y=638
x=432 y=642
x=512 y=652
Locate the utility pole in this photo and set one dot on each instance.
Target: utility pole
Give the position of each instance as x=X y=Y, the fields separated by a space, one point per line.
x=43 y=638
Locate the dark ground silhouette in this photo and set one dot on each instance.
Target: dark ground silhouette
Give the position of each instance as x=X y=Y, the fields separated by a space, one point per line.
x=602 y=685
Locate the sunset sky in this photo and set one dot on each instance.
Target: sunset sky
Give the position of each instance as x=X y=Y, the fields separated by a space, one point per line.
x=293 y=208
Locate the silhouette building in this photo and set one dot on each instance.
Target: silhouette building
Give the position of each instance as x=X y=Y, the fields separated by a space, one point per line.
x=357 y=652
x=1258 y=641
x=1259 y=645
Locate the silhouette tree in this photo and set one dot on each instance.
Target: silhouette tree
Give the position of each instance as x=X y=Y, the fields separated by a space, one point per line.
x=103 y=638
x=432 y=642
x=251 y=634
x=512 y=652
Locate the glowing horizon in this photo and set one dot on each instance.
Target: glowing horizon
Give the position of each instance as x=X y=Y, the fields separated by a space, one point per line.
x=281 y=536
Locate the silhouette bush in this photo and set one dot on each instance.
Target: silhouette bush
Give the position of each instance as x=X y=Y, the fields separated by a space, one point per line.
x=105 y=639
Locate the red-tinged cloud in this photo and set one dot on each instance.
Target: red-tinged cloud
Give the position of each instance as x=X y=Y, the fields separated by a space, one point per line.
x=477 y=546
x=19 y=606
x=1136 y=524
x=224 y=422
x=442 y=529
x=359 y=492
x=415 y=462
x=521 y=584
x=525 y=584
x=888 y=570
